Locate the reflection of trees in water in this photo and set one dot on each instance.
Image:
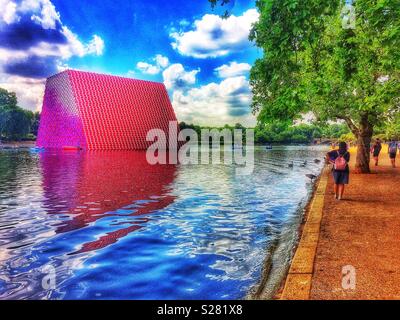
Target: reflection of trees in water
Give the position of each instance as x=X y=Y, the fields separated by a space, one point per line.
x=13 y=171
x=21 y=226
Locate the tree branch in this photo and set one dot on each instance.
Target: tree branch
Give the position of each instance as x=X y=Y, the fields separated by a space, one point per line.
x=350 y=123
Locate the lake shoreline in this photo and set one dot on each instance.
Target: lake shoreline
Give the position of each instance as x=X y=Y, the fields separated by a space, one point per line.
x=17 y=144
x=297 y=283
x=32 y=143
x=261 y=291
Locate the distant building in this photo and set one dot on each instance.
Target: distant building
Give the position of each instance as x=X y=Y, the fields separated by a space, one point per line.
x=102 y=112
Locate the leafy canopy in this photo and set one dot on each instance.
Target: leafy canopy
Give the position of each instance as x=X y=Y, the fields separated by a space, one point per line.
x=312 y=63
x=15 y=122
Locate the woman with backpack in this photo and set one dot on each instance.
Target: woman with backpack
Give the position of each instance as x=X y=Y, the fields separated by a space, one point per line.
x=392 y=150
x=340 y=159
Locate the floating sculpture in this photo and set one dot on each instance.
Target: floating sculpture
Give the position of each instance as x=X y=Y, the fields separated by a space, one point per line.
x=102 y=112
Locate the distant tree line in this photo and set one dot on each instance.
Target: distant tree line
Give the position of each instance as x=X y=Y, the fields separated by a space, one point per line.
x=16 y=123
x=283 y=132
x=197 y=129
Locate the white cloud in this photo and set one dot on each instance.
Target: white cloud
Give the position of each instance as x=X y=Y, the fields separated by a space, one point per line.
x=48 y=16
x=131 y=73
x=6 y=55
x=74 y=47
x=9 y=11
x=306 y=118
x=33 y=6
x=29 y=91
x=95 y=46
x=161 y=63
x=175 y=77
x=214 y=36
x=184 y=23
x=233 y=69
x=62 y=67
x=147 y=68
x=42 y=54
x=42 y=12
x=227 y=102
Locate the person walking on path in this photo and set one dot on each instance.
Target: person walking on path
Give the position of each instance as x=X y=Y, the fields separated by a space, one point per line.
x=339 y=158
x=392 y=150
x=376 y=150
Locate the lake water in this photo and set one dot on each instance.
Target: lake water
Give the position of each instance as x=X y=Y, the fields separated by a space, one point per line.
x=107 y=225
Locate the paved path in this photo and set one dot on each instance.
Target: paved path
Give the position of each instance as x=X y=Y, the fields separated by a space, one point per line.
x=361 y=232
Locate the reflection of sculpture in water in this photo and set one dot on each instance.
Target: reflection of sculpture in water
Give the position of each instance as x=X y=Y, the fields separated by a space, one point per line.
x=96 y=185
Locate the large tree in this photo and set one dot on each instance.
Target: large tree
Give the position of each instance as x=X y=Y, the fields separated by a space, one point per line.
x=7 y=99
x=15 y=122
x=315 y=59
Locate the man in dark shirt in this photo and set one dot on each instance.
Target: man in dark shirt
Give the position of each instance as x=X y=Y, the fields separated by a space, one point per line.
x=392 y=150
x=376 y=150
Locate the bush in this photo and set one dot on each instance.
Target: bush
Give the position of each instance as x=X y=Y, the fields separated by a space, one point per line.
x=348 y=137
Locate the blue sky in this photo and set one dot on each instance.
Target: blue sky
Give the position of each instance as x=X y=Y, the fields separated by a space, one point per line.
x=202 y=59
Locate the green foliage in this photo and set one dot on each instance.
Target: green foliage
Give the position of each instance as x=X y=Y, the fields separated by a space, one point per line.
x=197 y=129
x=220 y=3
x=347 y=137
x=15 y=122
x=392 y=129
x=18 y=124
x=184 y=125
x=35 y=124
x=7 y=99
x=283 y=132
x=334 y=130
x=311 y=63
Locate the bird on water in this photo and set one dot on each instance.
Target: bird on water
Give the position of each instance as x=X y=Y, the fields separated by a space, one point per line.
x=311 y=176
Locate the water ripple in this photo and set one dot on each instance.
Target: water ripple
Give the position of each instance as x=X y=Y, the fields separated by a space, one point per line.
x=111 y=226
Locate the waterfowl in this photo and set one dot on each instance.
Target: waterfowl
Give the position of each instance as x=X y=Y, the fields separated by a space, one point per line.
x=311 y=176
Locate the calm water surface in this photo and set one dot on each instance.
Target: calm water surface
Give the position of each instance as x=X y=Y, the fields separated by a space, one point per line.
x=107 y=225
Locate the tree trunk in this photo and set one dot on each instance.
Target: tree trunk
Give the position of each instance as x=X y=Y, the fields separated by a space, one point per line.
x=364 y=138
